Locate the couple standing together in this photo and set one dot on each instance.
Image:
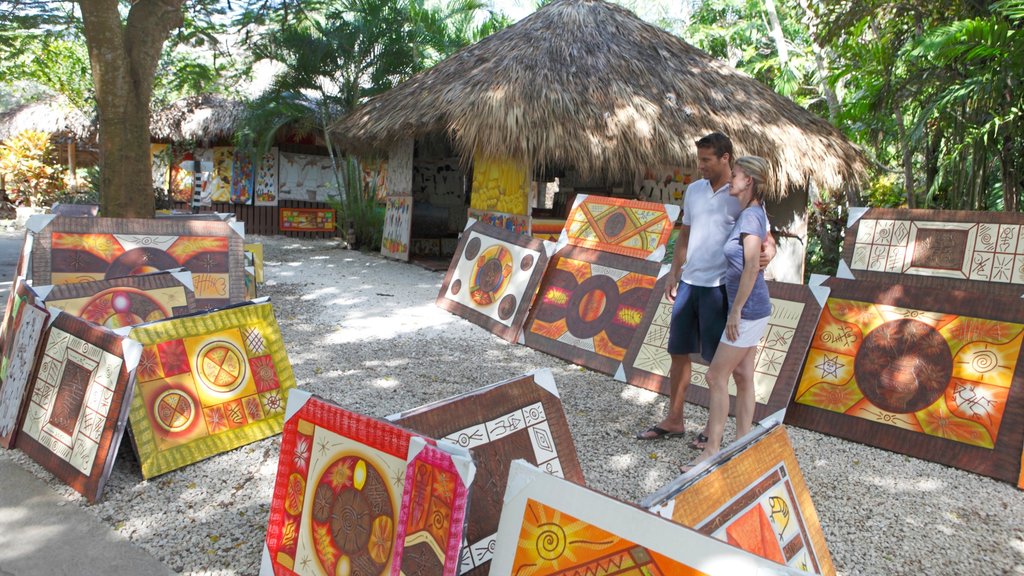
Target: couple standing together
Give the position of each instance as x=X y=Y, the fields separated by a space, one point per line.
x=716 y=283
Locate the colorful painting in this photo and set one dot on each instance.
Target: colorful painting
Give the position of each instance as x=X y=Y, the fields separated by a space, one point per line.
x=306 y=177
x=69 y=250
x=546 y=228
x=589 y=307
x=398 y=181
x=755 y=498
x=500 y=186
x=265 y=180
x=551 y=526
x=397 y=228
x=205 y=178
x=936 y=375
x=778 y=360
x=125 y=301
x=306 y=219
x=432 y=518
x=518 y=418
x=347 y=485
x=256 y=259
x=664 y=185
x=517 y=223
x=208 y=383
x=160 y=161
x=242 y=178
x=25 y=321
x=620 y=226
x=375 y=176
x=223 y=161
x=981 y=251
x=78 y=403
x=493 y=278
x=182 y=178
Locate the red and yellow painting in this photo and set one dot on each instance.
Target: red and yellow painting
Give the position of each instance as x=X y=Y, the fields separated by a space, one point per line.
x=307 y=219
x=589 y=306
x=940 y=374
x=621 y=226
x=553 y=542
x=207 y=384
x=123 y=301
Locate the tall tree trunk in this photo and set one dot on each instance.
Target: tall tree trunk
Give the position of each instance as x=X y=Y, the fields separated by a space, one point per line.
x=124 y=56
x=1010 y=174
x=777 y=35
x=908 y=159
x=819 y=60
x=931 y=160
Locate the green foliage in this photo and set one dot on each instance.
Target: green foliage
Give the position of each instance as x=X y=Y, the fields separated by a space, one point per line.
x=826 y=219
x=885 y=192
x=359 y=208
x=33 y=177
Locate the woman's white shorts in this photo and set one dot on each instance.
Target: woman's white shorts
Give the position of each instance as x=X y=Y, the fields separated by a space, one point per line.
x=751 y=332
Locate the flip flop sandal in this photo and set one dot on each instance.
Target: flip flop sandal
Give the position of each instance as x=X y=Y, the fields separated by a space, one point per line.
x=658 y=432
x=699 y=442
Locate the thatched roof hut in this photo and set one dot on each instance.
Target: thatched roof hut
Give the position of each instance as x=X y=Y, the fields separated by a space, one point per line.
x=197 y=118
x=54 y=115
x=587 y=84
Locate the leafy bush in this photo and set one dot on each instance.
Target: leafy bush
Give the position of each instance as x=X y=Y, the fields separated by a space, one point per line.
x=826 y=222
x=33 y=177
x=359 y=207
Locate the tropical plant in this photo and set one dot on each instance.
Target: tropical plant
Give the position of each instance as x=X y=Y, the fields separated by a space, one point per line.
x=33 y=177
x=359 y=210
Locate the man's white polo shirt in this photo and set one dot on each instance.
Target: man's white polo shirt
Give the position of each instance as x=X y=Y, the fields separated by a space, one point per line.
x=710 y=214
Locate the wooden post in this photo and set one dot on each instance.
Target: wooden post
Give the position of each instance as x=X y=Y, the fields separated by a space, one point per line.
x=73 y=164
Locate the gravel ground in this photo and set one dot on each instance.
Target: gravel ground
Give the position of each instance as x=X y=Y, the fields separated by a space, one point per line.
x=364 y=332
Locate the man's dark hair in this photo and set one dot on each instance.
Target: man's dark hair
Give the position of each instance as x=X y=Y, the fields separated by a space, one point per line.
x=718 y=142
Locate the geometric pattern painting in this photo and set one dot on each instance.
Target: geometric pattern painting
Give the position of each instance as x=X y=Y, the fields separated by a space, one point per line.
x=620 y=226
x=26 y=321
x=265 y=180
x=493 y=278
x=338 y=495
x=208 y=383
x=306 y=219
x=78 y=403
x=69 y=250
x=778 y=357
x=433 y=512
x=589 y=307
x=981 y=251
x=551 y=526
x=756 y=500
x=512 y=222
x=397 y=228
x=125 y=301
x=936 y=375
x=521 y=418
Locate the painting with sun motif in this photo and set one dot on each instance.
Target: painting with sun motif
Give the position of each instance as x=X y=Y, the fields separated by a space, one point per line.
x=493 y=278
x=621 y=226
x=936 y=375
x=754 y=497
x=551 y=526
x=67 y=250
x=208 y=383
x=590 y=305
x=349 y=485
x=125 y=301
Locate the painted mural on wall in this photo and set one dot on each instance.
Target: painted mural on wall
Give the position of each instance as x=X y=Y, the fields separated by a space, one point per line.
x=399 y=176
x=305 y=177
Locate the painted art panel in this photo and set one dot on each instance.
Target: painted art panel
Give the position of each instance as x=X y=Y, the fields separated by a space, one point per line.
x=223 y=161
x=182 y=176
x=546 y=228
x=26 y=322
x=208 y=383
x=551 y=526
x=205 y=178
x=521 y=418
x=664 y=185
x=265 y=180
x=935 y=375
x=963 y=250
x=399 y=176
x=589 y=307
x=160 y=158
x=500 y=186
x=375 y=177
x=306 y=177
x=397 y=228
x=242 y=178
x=70 y=250
x=520 y=224
x=125 y=301
x=620 y=225
x=779 y=356
x=256 y=250
x=493 y=278
x=753 y=496
x=78 y=402
x=306 y=220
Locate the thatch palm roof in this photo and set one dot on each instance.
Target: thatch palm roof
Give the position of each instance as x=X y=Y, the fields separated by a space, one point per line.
x=54 y=115
x=197 y=118
x=587 y=84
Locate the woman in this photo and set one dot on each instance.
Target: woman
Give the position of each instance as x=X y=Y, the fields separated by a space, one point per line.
x=749 y=307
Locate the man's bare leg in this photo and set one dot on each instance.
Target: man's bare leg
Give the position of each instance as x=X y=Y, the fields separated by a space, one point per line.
x=679 y=380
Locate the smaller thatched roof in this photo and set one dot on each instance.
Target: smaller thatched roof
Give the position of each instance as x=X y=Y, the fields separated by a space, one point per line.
x=54 y=115
x=197 y=118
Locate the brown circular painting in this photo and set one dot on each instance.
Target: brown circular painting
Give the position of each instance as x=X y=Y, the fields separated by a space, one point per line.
x=903 y=366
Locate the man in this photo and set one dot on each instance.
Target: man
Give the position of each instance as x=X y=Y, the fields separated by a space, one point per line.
x=696 y=279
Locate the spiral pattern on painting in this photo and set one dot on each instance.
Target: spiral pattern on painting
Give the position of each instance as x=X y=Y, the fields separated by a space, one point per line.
x=550 y=541
x=984 y=361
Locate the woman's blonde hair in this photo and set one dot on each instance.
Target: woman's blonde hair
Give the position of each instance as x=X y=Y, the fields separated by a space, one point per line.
x=759 y=171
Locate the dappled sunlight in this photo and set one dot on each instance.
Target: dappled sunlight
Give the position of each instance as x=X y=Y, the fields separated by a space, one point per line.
x=622 y=462
x=385 y=382
x=639 y=396
x=902 y=485
x=389 y=325
x=317 y=294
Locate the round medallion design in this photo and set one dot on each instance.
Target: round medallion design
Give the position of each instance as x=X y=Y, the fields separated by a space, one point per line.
x=903 y=366
x=222 y=366
x=175 y=411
